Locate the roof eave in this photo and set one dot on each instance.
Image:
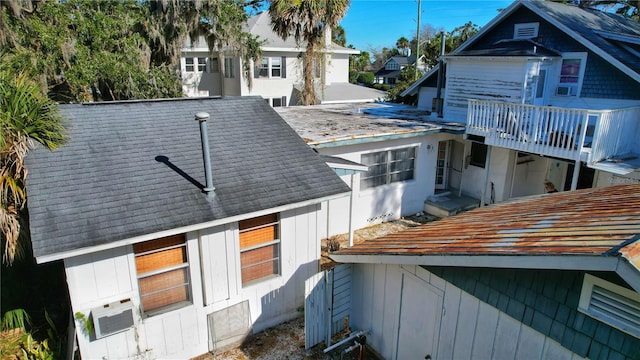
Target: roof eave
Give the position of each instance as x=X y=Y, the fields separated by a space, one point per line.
x=181 y=230
x=561 y=262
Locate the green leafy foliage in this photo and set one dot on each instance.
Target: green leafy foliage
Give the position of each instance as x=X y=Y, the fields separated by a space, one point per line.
x=92 y=50
x=366 y=78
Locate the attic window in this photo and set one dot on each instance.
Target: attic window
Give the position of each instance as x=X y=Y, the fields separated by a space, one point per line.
x=526 y=30
x=612 y=304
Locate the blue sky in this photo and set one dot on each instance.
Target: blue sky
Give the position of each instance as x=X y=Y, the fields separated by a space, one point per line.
x=379 y=23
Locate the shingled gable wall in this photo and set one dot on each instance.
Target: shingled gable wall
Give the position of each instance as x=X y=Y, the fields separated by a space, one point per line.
x=546 y=300
x=601 y=79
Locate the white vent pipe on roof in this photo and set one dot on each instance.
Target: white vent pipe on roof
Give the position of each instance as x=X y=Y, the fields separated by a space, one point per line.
x=202 y=118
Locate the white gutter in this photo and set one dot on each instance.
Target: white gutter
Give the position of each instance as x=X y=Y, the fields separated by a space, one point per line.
x=181 y=230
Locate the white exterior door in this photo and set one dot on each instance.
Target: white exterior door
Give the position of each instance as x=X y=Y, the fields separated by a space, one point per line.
x=419 y=323
x=540 y=92
x=442 y=164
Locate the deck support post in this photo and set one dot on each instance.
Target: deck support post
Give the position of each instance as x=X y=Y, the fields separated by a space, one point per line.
x=487 y=163
x=576 y=175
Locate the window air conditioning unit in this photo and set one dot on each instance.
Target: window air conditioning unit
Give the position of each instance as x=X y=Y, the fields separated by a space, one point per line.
x=112 y=318
x=564 y=90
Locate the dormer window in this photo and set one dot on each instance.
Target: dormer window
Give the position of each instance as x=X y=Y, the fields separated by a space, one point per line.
x=526 y=30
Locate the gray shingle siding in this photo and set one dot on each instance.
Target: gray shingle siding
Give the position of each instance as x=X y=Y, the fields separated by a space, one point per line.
x=601 y=79
x=110 y=181
x=547 y=301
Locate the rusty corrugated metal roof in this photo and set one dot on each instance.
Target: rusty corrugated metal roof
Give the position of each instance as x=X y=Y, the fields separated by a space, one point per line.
x=593 y=222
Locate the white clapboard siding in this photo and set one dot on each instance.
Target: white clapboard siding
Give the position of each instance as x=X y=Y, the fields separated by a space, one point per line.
x=468 y=327
x=489 y=80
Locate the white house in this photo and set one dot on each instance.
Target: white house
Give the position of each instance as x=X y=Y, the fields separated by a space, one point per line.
x=277 y=77
x=177 y=239
x=397 y=147
x=547 y=91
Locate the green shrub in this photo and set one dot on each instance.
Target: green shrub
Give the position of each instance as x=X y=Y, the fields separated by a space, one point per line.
x=366 y=78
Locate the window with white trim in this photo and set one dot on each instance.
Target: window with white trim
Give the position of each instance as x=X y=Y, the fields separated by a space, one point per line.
x=228 y=68
x=162 y=267
x=259 y=248
x=571 y=73
x=270 y=67
x=612 y=304
x=202 y=64
x=392 y=65
x=386 y=167
x=189 y=64
x=526 y=30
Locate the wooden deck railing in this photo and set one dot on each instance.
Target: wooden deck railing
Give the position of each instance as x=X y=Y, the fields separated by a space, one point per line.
x=553 y=131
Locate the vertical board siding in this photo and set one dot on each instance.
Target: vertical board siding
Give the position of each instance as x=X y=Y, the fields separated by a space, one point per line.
x=314 y=310
x=468 y=327
x=110 y=275
x=216 y=279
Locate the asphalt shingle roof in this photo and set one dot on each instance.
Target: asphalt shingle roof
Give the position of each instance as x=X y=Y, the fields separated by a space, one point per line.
x=136 y=168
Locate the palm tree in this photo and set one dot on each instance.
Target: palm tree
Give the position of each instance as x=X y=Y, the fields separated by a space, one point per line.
x=306 y=20
x=403 y=44
x=26 y=115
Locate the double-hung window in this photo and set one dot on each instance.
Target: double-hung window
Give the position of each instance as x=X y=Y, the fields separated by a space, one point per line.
x=259 y=248
x=202 y=64
x=189 y=64
x=163 y=273
x=228 y=68
x=386 y=167
x=270 y=67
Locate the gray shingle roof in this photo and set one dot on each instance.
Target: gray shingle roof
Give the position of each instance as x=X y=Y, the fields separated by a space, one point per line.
x=588 y=23
x=135 y=168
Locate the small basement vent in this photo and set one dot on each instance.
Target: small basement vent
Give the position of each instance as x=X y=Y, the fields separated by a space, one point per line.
x=229 y=326
x=112 y=318
x=611 y=304
x=526 y=31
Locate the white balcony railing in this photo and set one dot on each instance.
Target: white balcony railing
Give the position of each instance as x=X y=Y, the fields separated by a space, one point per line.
x=553 y=131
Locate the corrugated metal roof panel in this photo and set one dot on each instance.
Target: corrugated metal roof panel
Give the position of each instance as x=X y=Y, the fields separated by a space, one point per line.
x=598 y=222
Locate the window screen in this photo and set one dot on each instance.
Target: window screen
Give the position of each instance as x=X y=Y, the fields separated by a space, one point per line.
x=163 y=273
x=386 y=167
x=259 y=248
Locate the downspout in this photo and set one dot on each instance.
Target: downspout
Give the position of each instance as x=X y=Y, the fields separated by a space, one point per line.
x=440 y=101
x=202 y=118
x=353 y=177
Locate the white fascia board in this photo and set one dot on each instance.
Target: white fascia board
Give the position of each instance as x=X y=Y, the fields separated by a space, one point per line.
x=560 y=262
x=495 y=58
x=355 y=167
x=281 y=49
x=589 y=45
x=411 y=90
x=184 y=229
x=629 y=273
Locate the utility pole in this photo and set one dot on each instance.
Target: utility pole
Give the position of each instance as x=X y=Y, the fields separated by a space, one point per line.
x=415 y=77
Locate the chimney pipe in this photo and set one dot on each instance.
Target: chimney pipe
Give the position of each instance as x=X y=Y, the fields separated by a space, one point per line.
x=202 y=118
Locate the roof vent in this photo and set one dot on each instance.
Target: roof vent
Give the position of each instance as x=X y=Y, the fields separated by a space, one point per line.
x=526 y=31
x=202 y=118
x=611 y=304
